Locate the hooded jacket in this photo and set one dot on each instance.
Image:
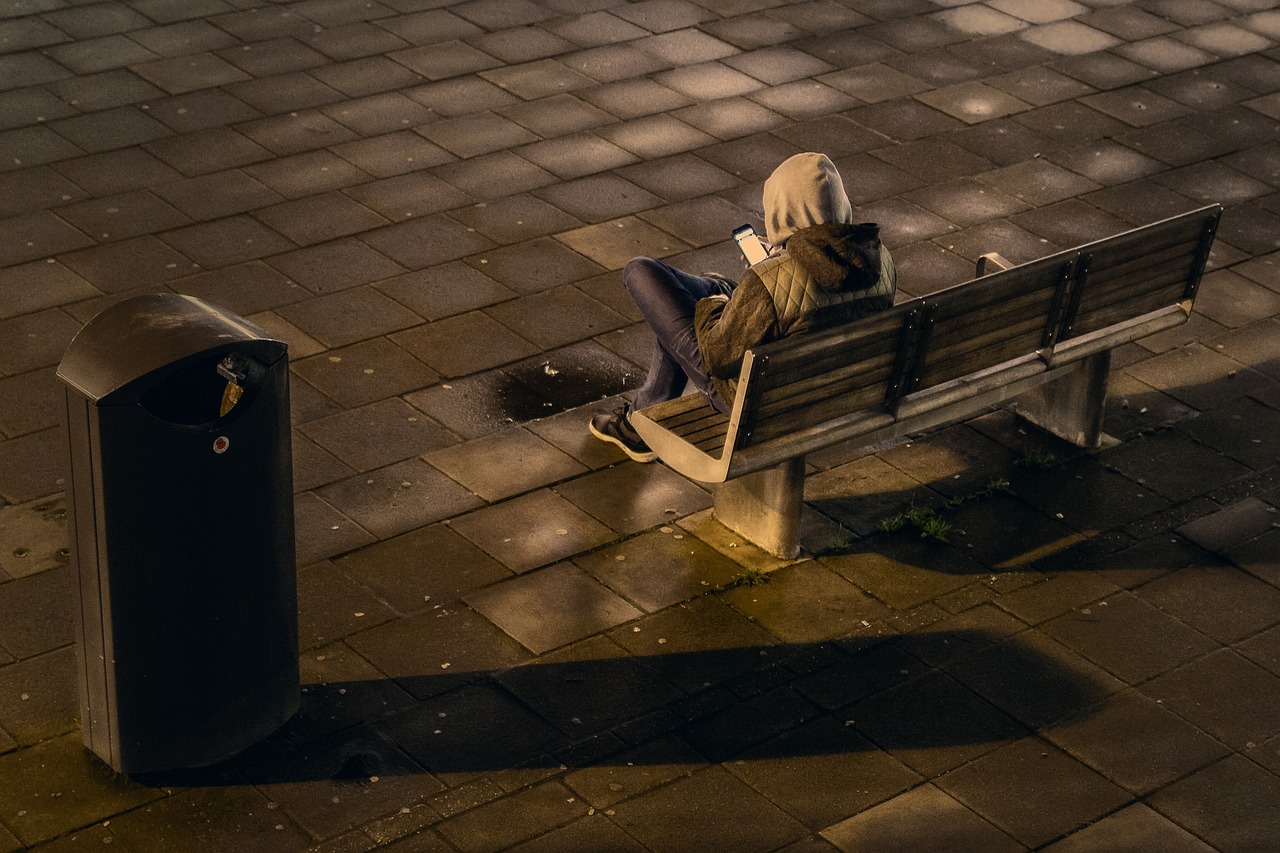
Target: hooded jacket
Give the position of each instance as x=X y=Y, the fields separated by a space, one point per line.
x=824 y=270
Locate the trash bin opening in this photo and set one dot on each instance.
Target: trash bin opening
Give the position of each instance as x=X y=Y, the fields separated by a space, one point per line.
x=205 y=392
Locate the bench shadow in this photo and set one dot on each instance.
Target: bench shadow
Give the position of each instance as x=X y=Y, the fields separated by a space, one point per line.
x=1065 y=503
x=946 y=691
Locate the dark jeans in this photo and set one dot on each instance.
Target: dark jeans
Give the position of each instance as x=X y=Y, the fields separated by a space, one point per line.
x=666 y=296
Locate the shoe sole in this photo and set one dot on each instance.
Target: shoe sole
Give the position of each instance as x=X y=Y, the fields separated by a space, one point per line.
x=638 y=457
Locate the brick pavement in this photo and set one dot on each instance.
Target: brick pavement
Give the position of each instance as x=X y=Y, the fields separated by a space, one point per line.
x=513 y=639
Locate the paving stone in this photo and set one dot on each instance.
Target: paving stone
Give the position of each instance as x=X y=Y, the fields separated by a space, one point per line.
x=745 y=820
x=521 y=607
x=444 y=290
x=965 y=201
x=1086 y=495
x=723 y=727
x=322 y=531
x=1032 y=678
x=392 y=500
x=903 y=572
x=1136 y=743
x=284 y=93
x=319 y=219
x=500 y=824
x=804 y=99
x=31 y=466
x=1262 y=649
x=30 y=402
x=1131 y=829
x=1257 y=556
x=332 y=606
x=1164 y=463
x=422 y=568
x=1154 y=642
x=1241 y=813
x=1196 y=692
x=219 y=194
x=862 y=668
x=1233 y=300
x=193 y=816
x=698 y=644
x=659 y=568
x=1069 y=223
x=1055 y=793
x=333 y=784
x=38 y=697
x=504 y=464
x=377 y=434
x=303 y=174
x=340 y=690
x=595 y=832
x=808 y=603
x=464 y=344
x=535 y=266
x=903 y=721
x=469 y=721
x=313 y=467
x=921 y=816
x=630 y=498
x=612 y=244
x=296 y=132
x=1055 y=595
x=676 y=178
x=633 y=98
x=65 y=788
x=637 y=770
x=37 y=612
x=28 y=289
x=532 y=530
x=515 y=219
x=405 y=196
x=1230 y=526
x=224 y=242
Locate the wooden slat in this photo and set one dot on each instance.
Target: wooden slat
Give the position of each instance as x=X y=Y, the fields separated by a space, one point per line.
x=1164 y=260
x=826 y=375
x=1012 y=318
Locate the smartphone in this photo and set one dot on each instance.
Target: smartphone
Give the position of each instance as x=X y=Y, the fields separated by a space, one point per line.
x=749 y=243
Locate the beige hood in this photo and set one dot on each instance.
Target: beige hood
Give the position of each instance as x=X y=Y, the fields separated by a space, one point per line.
x=805 y=190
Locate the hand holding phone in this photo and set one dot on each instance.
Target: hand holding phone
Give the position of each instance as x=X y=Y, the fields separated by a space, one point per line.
x=752 y=249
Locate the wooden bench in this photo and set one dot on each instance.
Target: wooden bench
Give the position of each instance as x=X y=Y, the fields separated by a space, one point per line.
x=1040 y=332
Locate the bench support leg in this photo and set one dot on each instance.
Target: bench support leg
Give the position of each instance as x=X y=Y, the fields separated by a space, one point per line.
x=1072 y=407
x=764 y=508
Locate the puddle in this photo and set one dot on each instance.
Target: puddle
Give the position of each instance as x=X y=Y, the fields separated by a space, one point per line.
x=562 y=380
x=538 y=387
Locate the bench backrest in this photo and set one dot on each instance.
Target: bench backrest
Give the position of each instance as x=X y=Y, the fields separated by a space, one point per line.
x=812 y=379
x=1140 y=271
x=991 y=320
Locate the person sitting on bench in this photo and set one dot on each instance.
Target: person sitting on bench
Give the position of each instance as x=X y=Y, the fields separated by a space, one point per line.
x=821 y=269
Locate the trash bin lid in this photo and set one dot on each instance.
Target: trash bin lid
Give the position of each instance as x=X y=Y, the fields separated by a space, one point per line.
x=146 y=337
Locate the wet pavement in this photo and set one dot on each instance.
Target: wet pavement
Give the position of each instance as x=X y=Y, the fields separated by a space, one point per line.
x=511 y=637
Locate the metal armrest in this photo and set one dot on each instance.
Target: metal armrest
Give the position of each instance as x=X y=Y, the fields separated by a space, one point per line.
x=990 y=259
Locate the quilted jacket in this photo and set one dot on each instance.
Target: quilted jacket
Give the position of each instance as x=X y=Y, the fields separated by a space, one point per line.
x=828 y=271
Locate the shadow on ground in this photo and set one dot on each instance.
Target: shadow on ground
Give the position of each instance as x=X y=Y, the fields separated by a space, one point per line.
x=897 y=694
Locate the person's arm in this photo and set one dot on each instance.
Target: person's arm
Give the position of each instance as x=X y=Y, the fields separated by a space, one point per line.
x=727 y=328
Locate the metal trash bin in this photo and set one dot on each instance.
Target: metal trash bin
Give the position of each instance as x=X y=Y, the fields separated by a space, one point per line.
x=180 y=513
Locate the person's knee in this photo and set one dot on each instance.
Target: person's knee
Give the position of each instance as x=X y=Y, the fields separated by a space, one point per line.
x=641 y=273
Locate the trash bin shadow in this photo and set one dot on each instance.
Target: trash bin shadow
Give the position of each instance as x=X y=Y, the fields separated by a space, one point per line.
x=962 y=690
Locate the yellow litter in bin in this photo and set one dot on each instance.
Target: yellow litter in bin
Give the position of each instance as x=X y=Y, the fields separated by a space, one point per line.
x=230 y=396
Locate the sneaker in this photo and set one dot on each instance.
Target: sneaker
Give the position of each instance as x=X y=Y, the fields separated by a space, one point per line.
x=617 y=429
